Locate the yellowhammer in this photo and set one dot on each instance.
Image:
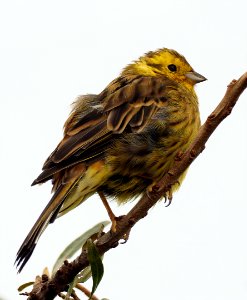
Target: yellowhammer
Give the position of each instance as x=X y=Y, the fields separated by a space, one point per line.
x=122 y=141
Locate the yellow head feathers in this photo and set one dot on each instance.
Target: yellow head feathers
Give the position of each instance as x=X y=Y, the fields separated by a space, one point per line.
x=168 y=63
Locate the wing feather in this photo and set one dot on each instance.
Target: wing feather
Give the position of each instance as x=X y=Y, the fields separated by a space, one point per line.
x=127 y=103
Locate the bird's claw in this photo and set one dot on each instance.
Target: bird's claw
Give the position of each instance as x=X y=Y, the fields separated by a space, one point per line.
x=125 y=237
x=168 y=197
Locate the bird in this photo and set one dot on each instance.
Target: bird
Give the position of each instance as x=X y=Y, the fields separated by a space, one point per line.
x=122 y=141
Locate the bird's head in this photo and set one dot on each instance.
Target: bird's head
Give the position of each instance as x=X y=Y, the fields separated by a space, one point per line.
x=168 y=63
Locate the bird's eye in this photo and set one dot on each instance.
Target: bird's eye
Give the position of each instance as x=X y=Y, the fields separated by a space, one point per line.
x=172 y=68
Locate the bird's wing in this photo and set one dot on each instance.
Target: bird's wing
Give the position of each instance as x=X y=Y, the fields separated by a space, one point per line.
x=133 y=104
x=127 y=104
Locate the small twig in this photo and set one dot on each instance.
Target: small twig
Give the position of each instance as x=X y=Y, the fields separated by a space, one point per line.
x=68 y=271
x=85 y=291
x=74 y=296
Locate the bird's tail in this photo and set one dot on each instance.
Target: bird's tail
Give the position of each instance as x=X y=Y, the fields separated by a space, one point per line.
x=68 y=194
x=48 y=215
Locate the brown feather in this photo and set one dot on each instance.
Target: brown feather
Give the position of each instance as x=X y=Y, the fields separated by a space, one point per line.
x=149 y=111
x=85 y=130
x=137 y=120
x=133 y=101
x=79 y=140
x=89 y=120
x=93 y=152
x=116 y=116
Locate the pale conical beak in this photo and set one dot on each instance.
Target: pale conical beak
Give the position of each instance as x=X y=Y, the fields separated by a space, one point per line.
x=196 y=77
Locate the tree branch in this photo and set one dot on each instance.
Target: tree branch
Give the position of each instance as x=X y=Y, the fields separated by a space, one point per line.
x=50 y=288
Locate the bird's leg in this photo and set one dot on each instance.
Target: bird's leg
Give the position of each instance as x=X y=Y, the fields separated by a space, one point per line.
x=111 y=215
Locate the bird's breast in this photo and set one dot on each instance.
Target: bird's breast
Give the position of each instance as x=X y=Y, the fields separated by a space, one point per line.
x=137 y=160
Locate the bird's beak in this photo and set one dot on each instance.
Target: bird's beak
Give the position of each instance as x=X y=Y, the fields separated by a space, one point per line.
x=196 y=77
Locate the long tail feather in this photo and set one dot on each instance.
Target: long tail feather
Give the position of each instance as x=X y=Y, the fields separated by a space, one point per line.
x=47 y=216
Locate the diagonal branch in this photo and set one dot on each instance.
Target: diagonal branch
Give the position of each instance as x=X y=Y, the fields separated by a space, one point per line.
x=51 y=287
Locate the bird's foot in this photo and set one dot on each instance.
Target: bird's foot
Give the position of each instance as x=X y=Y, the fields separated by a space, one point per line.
x=152 y=190
x=168 y=197
x=115 y=225
x=116 y=221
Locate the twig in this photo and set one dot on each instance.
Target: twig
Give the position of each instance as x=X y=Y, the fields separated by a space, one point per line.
x=68 y=271
x=85 y=291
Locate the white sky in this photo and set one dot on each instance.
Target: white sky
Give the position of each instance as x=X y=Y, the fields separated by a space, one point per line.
x=52 y=51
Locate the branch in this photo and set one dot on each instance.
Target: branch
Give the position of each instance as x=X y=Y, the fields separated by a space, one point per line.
x=50 y=288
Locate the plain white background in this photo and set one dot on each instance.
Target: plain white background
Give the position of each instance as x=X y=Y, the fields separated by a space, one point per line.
x=52 y=51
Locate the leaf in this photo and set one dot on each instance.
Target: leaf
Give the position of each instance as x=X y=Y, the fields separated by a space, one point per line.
x=70 y=289
x=84 y=275
x=96 y=265
x=25 y=285
x=77 y=244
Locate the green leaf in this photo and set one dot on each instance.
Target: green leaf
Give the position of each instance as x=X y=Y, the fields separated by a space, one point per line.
x=70 y=289
x=84 y=275
x=77 y=244
x=96 y=265
x=25 y=285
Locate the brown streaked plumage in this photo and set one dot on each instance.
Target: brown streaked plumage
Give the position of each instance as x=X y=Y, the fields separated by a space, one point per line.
x=122 y=141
